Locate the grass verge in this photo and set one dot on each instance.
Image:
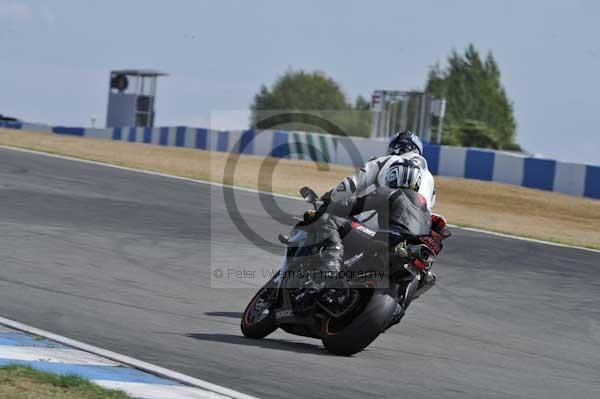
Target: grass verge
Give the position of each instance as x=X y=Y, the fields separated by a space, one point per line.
x=23 y=382
x=486 y=205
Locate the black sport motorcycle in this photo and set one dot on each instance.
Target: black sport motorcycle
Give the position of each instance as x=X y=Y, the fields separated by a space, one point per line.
x=383 y=269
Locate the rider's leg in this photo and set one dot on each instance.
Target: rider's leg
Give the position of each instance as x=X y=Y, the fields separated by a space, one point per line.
x=332 y=250
x=336 y=294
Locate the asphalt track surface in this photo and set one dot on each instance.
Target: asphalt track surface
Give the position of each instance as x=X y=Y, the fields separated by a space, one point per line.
x=122 y=260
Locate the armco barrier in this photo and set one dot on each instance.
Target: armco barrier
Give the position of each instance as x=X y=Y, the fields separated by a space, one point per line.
x=471 y=163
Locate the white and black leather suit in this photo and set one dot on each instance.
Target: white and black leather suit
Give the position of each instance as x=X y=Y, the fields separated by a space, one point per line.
x=367 y=190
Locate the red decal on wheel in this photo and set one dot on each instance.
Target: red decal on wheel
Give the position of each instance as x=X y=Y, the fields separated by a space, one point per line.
x=327 y=327
x=249 y=309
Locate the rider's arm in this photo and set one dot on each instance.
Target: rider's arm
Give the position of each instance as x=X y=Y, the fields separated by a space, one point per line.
x=358 y=183
x=344 y=208
x=374 y=200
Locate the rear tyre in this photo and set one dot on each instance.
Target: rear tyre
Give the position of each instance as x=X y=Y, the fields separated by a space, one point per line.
x=258 y=320
x=348 y=338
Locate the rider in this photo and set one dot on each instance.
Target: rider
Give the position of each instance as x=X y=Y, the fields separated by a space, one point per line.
x=403 y=168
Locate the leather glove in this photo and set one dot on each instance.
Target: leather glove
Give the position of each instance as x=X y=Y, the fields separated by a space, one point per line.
x=438 y=226
x=311 y=216
x=433 y=242
x=326 y=198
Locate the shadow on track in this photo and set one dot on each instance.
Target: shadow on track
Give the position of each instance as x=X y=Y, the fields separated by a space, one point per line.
x=267 y=343
x=233 y=315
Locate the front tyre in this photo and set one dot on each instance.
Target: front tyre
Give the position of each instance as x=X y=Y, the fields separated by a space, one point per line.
x=347 y=338
x=258 y=320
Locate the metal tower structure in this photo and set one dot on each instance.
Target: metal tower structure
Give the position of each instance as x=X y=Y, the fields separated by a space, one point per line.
x=394 y=110
x=131 y=97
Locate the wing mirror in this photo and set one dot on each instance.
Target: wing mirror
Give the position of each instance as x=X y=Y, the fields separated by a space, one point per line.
x=309 y=195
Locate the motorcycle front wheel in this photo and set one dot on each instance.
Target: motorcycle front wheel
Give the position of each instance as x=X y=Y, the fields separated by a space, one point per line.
x=258 y=320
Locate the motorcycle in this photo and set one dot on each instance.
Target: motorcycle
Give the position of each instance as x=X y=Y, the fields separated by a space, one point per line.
x=383 y=269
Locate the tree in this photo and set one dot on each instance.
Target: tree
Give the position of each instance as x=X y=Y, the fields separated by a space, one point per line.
x=308 y=91
x=474 y=93
x=470 y=133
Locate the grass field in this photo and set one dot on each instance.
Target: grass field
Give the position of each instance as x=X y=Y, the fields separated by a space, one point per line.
x=21 y=382
x=487 y=205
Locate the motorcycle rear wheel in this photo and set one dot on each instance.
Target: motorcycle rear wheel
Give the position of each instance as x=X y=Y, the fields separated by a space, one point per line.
x=356 y=334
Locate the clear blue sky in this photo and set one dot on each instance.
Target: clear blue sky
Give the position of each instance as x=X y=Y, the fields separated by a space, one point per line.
x=56 y=56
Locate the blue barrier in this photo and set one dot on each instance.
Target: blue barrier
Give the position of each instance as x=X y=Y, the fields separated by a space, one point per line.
x=163 y=138
x=147 y=135
x=11 y=124
x=592 y=181
x=281 y=147
x=201 y=139
x=180 y=136
x=431 y=152
x=72 y=131
x=471 y=163
x=132 y=135
x=247 y=142
x=117 y=133
x=539 y=173
x=479 y=164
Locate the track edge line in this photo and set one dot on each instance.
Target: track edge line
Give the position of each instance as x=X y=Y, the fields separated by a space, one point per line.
x=251 y=190
x=127 y=360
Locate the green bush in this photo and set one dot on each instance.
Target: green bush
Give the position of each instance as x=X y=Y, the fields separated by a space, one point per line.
x=478 y=110
x=315 y=93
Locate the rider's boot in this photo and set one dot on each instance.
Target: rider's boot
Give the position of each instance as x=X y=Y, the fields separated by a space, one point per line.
x=398 y=315
x=426 y=283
